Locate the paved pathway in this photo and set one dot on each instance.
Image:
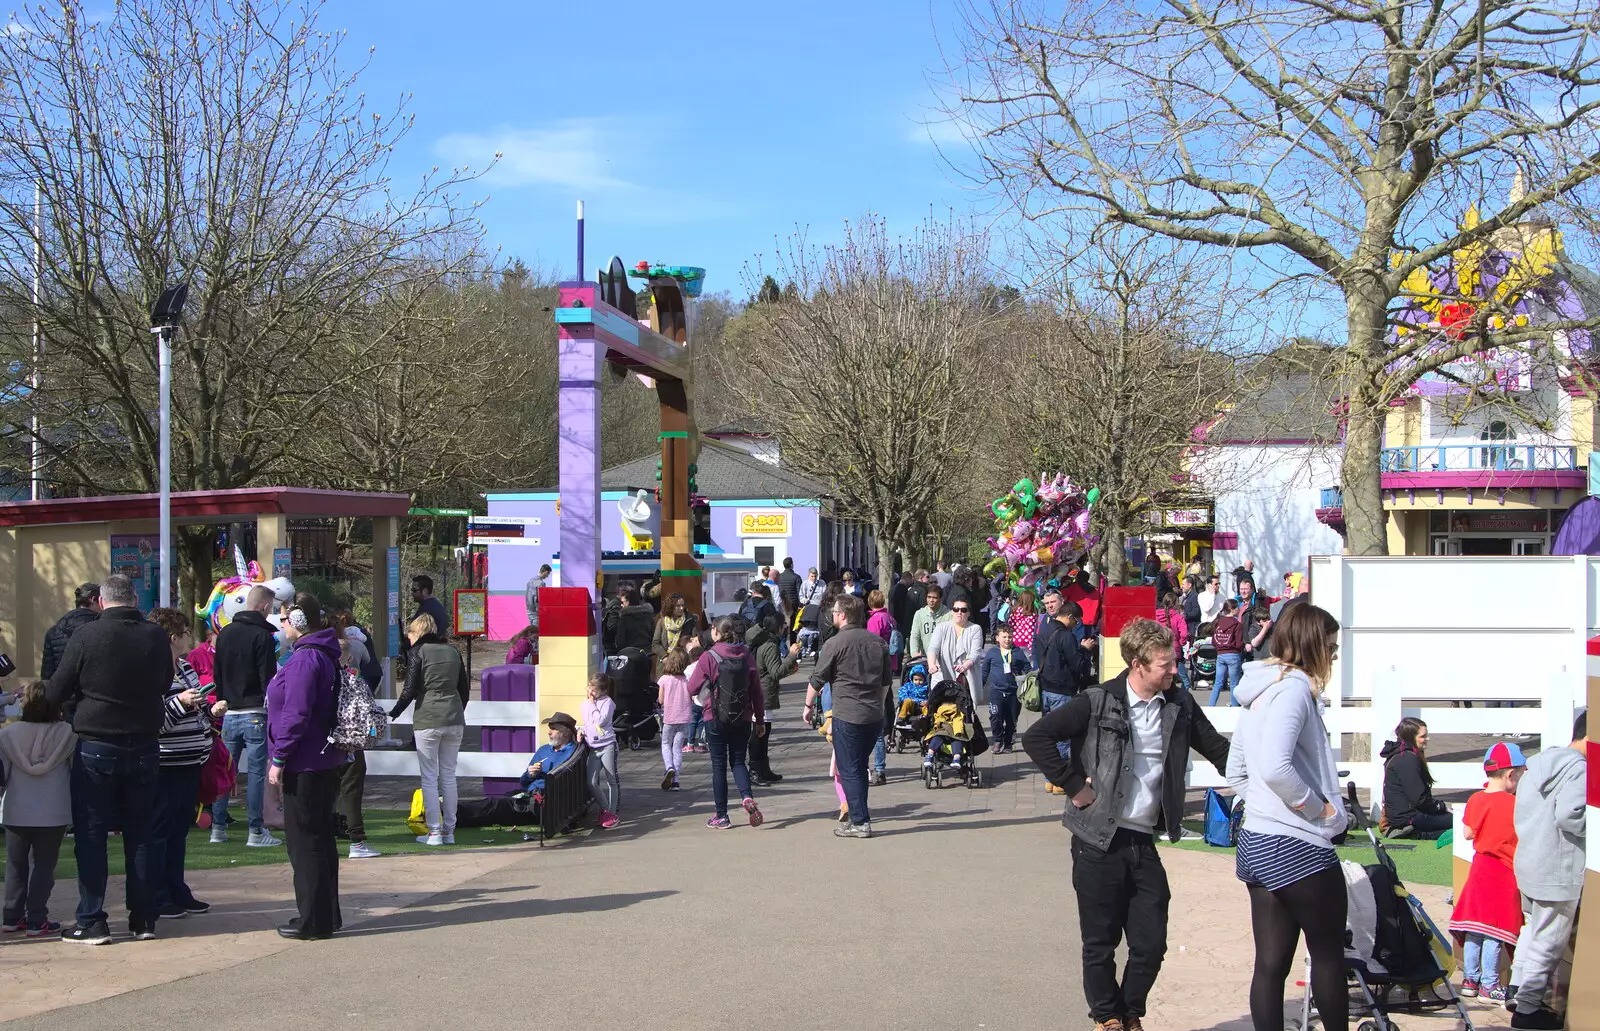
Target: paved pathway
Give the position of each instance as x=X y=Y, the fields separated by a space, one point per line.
x=959 y=915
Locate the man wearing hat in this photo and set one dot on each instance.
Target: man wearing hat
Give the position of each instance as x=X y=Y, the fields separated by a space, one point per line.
x=563 y=742
x=86 y=609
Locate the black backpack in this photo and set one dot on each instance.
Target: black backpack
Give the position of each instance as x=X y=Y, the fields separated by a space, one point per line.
x=730 y=699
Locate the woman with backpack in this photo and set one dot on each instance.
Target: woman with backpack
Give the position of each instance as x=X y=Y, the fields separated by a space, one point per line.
x=302 y=700
x=1282 y=768
x=725 y=682
x=1227 y=636
x=436 y=680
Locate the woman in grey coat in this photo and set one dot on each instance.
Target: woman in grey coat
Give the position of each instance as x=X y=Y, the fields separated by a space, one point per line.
x=957 y=650
x=1281 y=765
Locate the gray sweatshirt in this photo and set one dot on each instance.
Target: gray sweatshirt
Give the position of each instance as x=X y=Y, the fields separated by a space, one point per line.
x=1550 y=825
x=38 y=762
x=1279 y=757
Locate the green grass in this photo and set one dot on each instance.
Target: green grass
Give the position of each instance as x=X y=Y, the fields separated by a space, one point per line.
x=386 y=831
x=1419 y=862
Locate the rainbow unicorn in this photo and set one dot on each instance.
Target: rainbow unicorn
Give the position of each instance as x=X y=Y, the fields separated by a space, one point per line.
x=228 y=596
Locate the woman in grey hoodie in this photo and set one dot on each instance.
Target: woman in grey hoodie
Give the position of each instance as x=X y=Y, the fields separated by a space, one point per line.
x=1281 y=765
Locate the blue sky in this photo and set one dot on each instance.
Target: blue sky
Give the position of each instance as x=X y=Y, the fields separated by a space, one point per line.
x=697 y=137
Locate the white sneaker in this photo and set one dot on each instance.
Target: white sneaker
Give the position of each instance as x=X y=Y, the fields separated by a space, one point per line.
x=449 y=839
x=430 y=839
x=362 y=850
x=219 y=835
x=262 y=839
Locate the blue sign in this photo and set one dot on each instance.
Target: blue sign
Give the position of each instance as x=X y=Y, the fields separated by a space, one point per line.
x=282 y=563
x=393 y=599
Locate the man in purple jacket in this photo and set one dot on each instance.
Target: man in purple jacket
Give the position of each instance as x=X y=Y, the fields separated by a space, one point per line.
x=301 y=703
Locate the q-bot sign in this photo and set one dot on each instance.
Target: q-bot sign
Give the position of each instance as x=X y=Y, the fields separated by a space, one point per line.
x=763 y=522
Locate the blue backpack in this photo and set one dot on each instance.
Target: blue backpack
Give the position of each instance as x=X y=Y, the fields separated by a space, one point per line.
x=1220 y=827
x=896 y=642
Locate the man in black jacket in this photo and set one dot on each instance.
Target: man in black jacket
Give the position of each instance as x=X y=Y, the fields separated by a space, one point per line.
x=1125 y=778
x=86 y=609
x=789 y=595
x=113 y=678
x=246 y=660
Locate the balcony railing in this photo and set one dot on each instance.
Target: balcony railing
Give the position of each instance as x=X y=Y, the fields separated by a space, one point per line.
x=1486 y=457
x=1332 y=497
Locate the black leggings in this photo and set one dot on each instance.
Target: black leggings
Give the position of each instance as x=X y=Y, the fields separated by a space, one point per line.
x=1315 y=905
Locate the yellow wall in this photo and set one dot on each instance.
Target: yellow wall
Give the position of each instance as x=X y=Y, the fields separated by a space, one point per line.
x=1584 y=415
x=1455 y=499
x=40 y=567
x=1402 y=426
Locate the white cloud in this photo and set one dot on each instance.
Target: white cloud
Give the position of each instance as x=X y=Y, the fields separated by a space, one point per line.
x=941 y=131
x=573 y=154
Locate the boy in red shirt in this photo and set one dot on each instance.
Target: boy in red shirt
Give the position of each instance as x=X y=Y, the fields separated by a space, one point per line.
x=1489 y=912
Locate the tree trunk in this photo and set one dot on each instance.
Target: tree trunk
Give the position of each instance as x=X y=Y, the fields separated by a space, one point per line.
x=886 y=553
x=1365 y=524
x=194 y=547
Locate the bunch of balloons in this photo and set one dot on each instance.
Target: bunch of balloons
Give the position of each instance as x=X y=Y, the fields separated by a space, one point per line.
x=1038 y=528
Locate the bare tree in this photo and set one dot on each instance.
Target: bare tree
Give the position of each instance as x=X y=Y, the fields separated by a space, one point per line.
x=1121 y=369
x=867 y=371
x=222 y=143
x=1337 y=141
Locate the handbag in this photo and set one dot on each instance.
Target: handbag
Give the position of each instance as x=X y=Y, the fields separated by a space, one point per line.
x=217 y=775
x=1028 y=691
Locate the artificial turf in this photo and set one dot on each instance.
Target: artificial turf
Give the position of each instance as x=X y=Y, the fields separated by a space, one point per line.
x=1421 y=862
x=386 y=831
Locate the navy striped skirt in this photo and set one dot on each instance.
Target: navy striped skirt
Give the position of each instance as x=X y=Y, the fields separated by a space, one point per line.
x=1276 y=861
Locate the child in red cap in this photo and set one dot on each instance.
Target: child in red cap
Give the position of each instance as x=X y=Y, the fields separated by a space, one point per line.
x=1489 y=912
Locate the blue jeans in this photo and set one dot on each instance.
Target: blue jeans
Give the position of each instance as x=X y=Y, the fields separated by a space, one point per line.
x=1480 y=960
x=697 y=724
x=1049 y=702
x=852 y=745
x=114 y=786
x=1230 y=667
x=728 y=746
x=169 y=838
x=245 y=732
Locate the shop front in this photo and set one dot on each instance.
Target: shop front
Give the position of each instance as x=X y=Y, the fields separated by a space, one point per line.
x=1525 y=531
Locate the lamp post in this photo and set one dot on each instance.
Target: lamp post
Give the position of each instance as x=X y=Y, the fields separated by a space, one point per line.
x=164 y=319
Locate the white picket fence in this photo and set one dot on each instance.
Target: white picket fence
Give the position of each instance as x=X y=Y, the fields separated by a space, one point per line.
x=386 y=762
x=1418 y=632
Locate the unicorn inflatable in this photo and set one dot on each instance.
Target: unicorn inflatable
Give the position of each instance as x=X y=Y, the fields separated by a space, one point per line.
x=228 y=596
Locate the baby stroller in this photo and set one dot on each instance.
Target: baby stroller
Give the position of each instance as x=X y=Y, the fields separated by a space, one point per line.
x=954 y=692
x=1202 y=664
x=809 y=634
x=910 y=706
x=636 y=720
x=1391 y=944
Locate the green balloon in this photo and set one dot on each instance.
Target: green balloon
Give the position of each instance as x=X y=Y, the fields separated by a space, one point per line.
x=1094 y=495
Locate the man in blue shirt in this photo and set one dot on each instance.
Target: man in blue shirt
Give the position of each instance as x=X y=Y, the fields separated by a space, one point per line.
x=428 y=605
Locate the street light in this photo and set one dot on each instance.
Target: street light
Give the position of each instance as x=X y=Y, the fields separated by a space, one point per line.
x=164 y=319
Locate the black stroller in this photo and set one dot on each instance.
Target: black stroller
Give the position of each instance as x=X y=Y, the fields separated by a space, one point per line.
x=637 y=719
x=1394 y=954
x=944 y=760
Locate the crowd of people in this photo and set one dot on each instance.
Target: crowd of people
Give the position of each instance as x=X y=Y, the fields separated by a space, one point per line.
x=150 y=709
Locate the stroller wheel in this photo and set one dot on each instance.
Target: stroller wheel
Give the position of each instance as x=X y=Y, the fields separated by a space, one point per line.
x=974 y=778
x=927 y=777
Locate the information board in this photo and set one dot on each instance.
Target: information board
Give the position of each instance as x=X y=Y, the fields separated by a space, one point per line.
x=393 y=602
x=472 y=612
